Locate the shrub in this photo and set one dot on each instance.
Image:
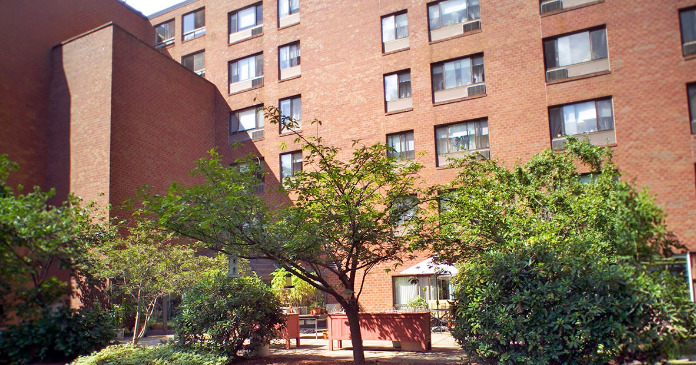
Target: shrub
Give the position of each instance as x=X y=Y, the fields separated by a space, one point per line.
x=58 y=334
x=220 y=314
x=537 y=306
x=158 y=355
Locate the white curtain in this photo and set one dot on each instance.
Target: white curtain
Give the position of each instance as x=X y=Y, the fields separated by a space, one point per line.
x=247 y=119
x=390 y=88
x=580 y=118
x=388 y=32
x=247 y=17
x=574 y=49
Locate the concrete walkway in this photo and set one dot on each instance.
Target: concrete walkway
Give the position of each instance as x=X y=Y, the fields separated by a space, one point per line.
x=444 y=350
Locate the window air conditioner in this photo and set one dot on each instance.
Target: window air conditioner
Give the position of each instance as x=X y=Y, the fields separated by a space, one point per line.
x=471 y=26
x=476 y=90
x=550 y=6
x=257 y=31
x=689 y=48
x=257 y=134
x=558 y=74
x=485 y=153
x=557 y=144
x=257 y=81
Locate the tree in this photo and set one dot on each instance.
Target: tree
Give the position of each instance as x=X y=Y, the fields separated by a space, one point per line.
x=37 y=239
x=146 y=265
x=573 y=199
x=557 y=261
x=343 y=220
x=301 y=292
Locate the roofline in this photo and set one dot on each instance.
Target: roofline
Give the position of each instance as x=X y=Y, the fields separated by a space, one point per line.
x=171 y=8
x=136 y=11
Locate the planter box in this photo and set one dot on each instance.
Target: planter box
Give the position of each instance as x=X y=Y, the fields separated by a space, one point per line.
x=412 y=330
x=292 y=329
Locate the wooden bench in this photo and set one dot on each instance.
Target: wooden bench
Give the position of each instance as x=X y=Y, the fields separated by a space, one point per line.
x=412 y=329
x=292 y=329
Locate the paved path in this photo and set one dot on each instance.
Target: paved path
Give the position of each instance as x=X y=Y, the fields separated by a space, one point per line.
x=444 y=350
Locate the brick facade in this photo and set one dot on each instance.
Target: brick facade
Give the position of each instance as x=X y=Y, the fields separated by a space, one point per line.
x=343 y=65
x=153 y=117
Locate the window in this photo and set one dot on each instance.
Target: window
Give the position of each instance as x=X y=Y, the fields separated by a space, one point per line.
x=461 y=137
x=288 y=7
x=555 y=6
x=194 y=24
x=290 y=164
x=404 y=209
x=687 y=19
x=259 y=173
x=584 y=117
x=457 y=73
x=397 y=91
x=402 y=144
x=291 y=108
x=395 y=32
x=246 y=18
x=246 y=119
x=288 y=59
x=446 y=201
x=289 y=55
x=195 y=62
x=406 y=288
x=691 y=90
x=246 y=73
x=164 y=33
x=451 y=12
x=397 y=85
x=563 y=52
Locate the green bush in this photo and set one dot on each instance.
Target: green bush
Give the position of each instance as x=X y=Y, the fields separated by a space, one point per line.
x=537 y=306
x=58 y=334
x=158 y=355
x=220 y=314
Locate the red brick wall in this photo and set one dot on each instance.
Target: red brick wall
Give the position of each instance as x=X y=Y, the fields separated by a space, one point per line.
x=80 y=119
x=30 y=29
x=164 y=118
x=343 y=66
x=133 y=117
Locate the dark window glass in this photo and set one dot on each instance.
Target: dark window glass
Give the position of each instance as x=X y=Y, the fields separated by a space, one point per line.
x=462 y=137
x=246 y=119
x=246 y=68
x=246 y=18
x=450 y=12
x=397 y=86
x=688 y=25
x=195 y=62
x=289 y=56
x=164 y=33
x=456 y=73
x=575 y=48
x=402 y=144
x=583 y=117
x=194 y=24
x=290 y=164
x=290 y=108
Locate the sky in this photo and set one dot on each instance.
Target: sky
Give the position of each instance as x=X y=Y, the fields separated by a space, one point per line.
x=148 y=7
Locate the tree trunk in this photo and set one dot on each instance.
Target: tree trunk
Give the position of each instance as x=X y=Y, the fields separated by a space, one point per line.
x=352 y=311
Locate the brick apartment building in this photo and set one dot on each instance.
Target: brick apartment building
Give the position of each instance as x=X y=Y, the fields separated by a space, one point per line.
x=111 y=109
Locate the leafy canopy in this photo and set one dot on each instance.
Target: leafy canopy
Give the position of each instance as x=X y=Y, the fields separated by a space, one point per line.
x=339 y=223
x=36 y=238
x=574 y=200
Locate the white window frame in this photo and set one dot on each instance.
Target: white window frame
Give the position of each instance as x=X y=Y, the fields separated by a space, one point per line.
x=195 y=31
